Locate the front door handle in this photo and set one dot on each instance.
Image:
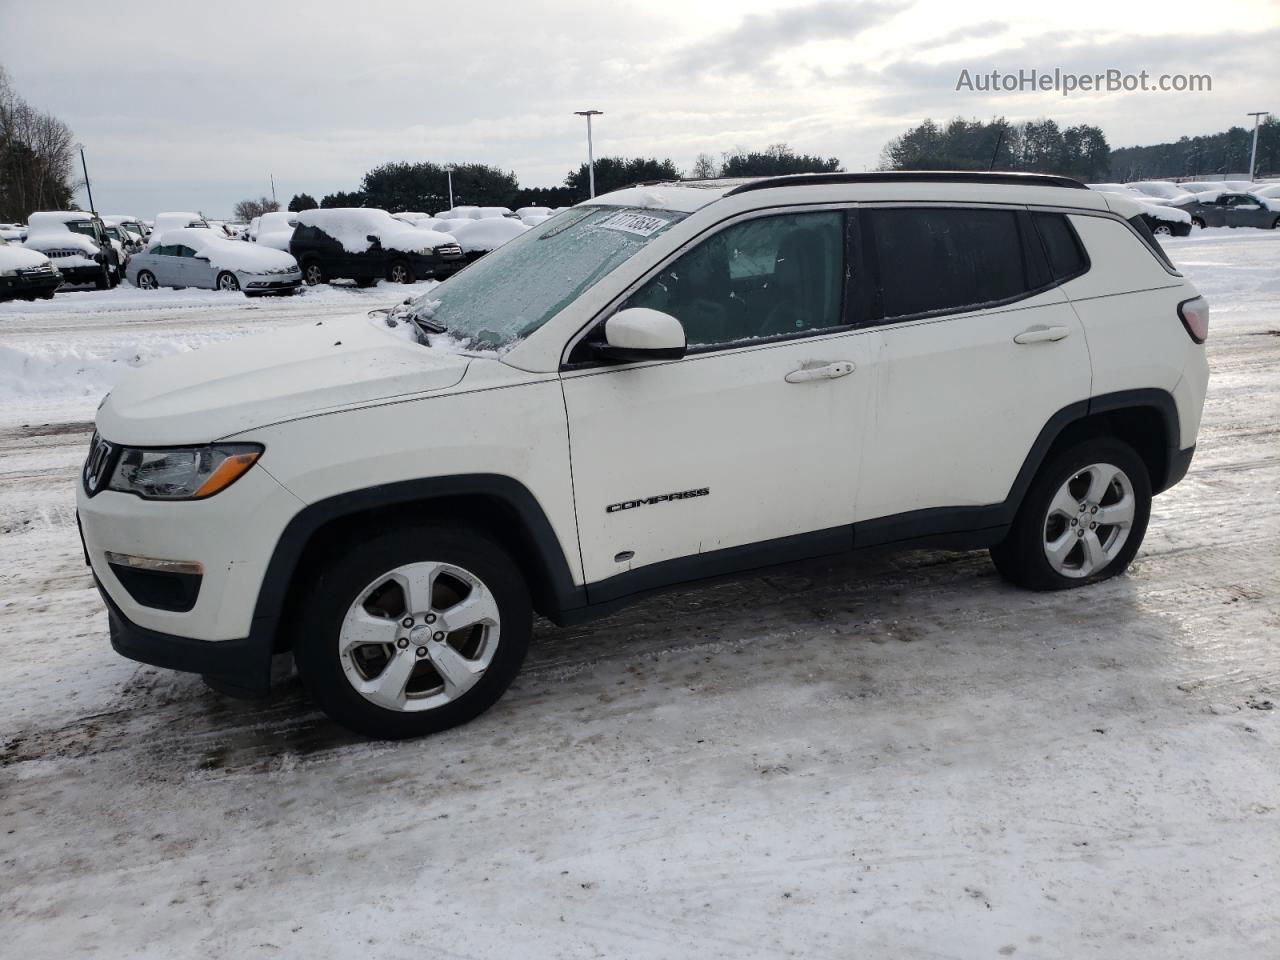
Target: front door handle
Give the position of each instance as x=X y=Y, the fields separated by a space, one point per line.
x=830 y=371
x=1042 y=334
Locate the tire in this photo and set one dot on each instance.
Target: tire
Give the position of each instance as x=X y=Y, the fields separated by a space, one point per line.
x=358 y=583
x=227 y=281
x=103 y=280
x=400 y=271
x=1197 y=222
x=1275 y=225
x=1162 y=230
x=147 y=280
x=1051 y=510
x=47 y=294
x=313 y=273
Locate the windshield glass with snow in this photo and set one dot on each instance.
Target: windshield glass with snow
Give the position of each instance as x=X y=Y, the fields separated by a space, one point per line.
x=511 y=292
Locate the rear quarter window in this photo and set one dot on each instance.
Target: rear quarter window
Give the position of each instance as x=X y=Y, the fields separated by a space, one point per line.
x=1144 y=231
x=1062 y=248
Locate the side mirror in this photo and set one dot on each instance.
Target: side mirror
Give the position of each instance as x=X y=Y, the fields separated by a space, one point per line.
x=639 y=333
x=374 y=240
x=202 y=259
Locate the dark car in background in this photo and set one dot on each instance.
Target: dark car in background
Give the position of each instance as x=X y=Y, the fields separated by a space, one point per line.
x=25 y=274
x=1226 y=209
x=367 y=245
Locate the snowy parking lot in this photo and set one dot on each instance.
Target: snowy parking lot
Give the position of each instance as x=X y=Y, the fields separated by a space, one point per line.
x=899 y=756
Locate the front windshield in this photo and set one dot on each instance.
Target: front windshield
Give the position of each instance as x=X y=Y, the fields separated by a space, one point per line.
x=509 y=293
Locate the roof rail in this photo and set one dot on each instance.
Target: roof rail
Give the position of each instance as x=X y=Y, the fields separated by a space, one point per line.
x=911 y=176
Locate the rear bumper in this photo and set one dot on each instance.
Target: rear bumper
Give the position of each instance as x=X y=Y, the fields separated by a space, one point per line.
x=241 y=667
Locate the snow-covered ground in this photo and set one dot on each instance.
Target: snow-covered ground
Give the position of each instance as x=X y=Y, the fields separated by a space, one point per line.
x=896 y=757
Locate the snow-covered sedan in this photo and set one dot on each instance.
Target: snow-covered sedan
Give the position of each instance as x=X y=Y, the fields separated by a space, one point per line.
x=25 y=274
x=1226 y=208
x=478 y=237
x=1161 y=191
x=198 y=257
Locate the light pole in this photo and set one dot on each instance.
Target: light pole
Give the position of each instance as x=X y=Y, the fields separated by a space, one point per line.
x=87 y=188
x=1253 y=156
x=449 y=170
x=591 y=162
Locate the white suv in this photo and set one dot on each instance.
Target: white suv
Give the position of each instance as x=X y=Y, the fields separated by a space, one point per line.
x=664 y=384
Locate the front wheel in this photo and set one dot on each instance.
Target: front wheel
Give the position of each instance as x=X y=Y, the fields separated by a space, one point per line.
x=1197 y=222
x=400 y=271
x=228 y=281
x=313 y=274
x=1162 y=230
x=147 y=280
x=1081 y=521
x=413 y=631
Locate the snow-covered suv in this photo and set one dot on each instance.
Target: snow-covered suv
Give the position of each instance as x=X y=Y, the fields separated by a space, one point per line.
x=663 y=384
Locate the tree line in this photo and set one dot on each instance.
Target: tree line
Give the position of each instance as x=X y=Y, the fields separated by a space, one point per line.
x=37 y=158
x=1040 y=146
x=424 y=185
x=1215 y=153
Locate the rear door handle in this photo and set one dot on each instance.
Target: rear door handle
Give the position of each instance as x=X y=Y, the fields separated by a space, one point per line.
x=830 y=371
x=1042 y=334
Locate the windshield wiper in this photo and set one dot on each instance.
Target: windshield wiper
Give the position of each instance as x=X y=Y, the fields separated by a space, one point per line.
x=427 y=325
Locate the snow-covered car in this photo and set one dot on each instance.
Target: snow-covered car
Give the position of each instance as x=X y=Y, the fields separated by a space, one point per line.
x=463 y=212
x=129 y=222
x=26 y=274
x=412 y=217
x=131 y=233
x=1270 y=191
x=275 y=230
x=533 y=212
x=1195 y=187
x=1225 y=208
x=198 y=257
x=666 y=383
x=78 y=244
x=251 y=232
x=1162 y=219
x=177 y=220
x=367 y=245
x=13 y=231
x=478 y=237
x=1160 y=191
x=452 y=224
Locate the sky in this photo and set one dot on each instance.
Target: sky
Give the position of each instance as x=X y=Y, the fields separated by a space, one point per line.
x=185 y=106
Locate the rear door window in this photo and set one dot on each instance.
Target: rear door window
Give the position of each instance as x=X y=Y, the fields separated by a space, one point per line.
x=936 y=260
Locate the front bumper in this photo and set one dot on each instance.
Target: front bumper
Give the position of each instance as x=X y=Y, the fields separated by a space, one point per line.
x=81 y=275
x=241 y=667
x=32 y=284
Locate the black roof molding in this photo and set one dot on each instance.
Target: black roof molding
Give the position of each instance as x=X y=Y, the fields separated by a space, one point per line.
x=912 y=176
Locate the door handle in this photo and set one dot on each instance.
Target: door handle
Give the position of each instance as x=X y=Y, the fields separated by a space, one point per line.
x=830 y=371
x=1042 y=334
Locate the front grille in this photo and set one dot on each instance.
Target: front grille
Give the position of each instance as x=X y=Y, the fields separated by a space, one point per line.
x=449 y=251
x=98 y=465
x=61 y=254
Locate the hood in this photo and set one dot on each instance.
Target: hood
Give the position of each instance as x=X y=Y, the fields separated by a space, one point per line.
x=13 y=257
x=223 y=390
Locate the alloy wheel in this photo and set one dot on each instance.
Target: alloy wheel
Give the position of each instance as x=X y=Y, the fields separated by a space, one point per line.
x=419 y=636
x=1089 y=520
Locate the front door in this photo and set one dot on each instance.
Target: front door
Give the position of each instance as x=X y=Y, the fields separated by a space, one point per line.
x=747 y=449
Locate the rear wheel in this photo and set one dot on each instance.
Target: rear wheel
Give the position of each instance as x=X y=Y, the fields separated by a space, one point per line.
x=400 y=271
x=1162 y=230
x=1081 y=521
x=227 y=281
x=413 y=631
x=1197 y=222
x=313 y=273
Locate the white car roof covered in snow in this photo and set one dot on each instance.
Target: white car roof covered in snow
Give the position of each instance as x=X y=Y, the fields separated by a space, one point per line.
x=55 y=221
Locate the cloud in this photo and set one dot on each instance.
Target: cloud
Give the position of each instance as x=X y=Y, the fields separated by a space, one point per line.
x=973 y=31
x=760 y=37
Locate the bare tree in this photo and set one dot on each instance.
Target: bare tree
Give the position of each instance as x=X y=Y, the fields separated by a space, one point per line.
x=37 y=158
x=246 y=210
x=705 y=167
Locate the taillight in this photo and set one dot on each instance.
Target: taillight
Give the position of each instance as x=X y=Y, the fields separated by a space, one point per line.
x=1194 y=314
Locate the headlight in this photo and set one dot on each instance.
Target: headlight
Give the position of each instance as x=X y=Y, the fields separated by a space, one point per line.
x=8 y=273
x=185 y=473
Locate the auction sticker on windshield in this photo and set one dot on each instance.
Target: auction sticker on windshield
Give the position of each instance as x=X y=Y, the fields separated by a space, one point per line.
x=638 y=223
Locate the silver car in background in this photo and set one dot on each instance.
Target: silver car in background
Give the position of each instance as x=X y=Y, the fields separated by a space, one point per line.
x=198 y=257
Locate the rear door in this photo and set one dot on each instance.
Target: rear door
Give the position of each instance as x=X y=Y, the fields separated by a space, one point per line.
x=978 y=349
x=1244 y=210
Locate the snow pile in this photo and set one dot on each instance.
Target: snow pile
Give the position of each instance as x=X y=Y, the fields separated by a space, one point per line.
x=60 y=370
x=481 y=236
x=234 y=255
x=353 y=226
